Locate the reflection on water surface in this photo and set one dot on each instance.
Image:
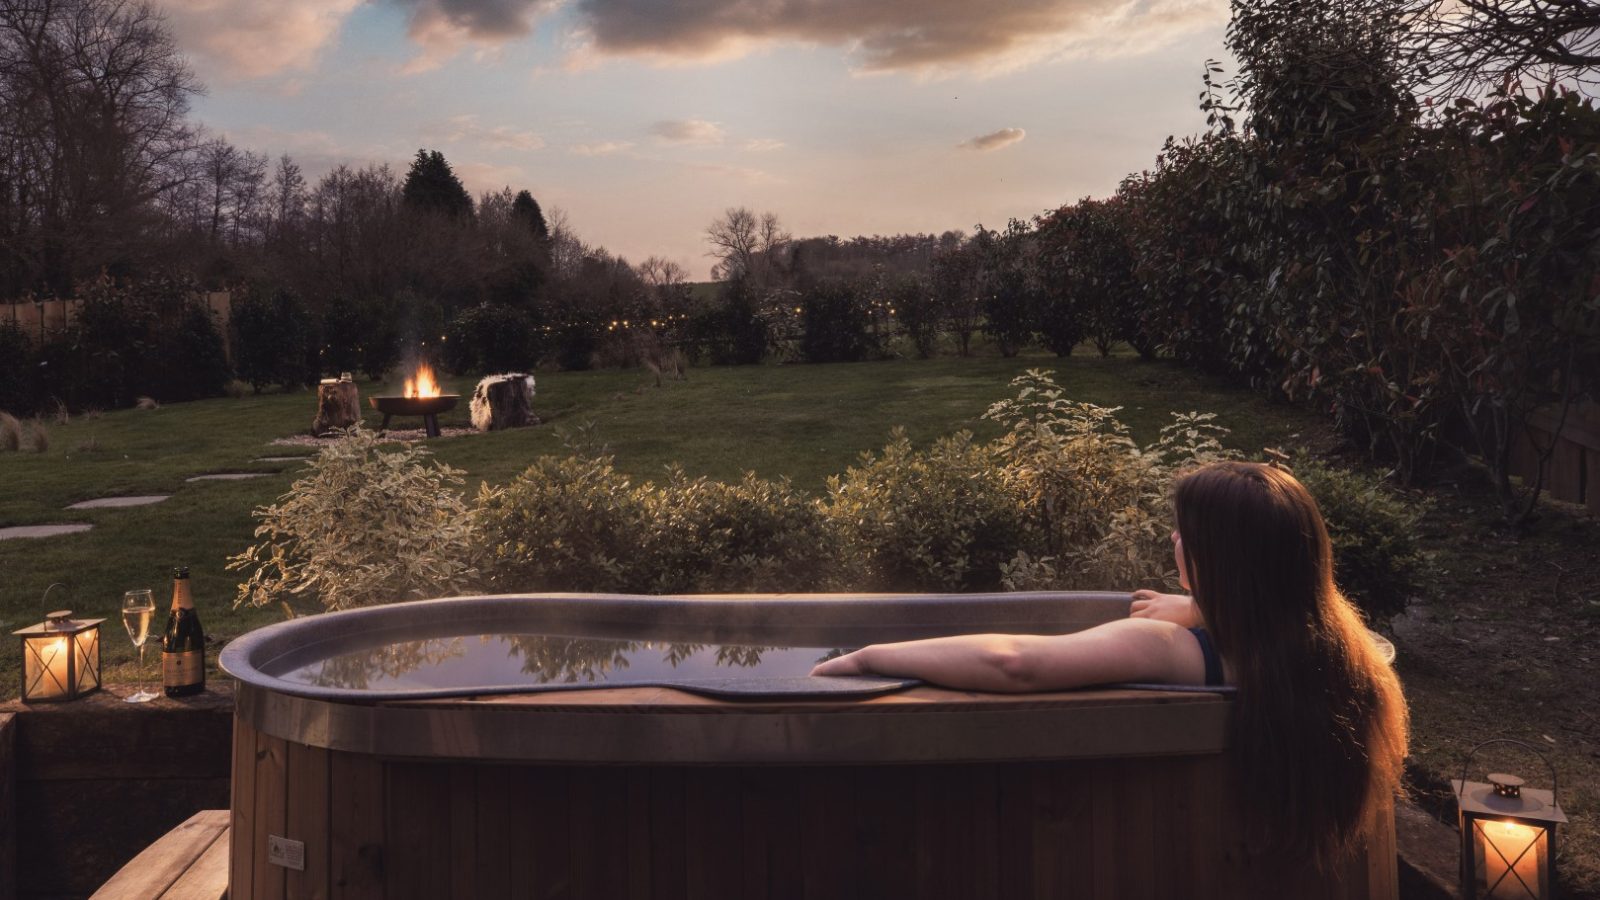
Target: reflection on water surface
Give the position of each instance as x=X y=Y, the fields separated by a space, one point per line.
x=535 y=659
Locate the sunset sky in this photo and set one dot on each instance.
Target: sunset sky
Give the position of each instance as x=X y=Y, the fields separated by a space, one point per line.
x=644 y=119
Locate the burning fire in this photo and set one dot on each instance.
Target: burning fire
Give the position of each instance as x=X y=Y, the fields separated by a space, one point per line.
x=424 y=384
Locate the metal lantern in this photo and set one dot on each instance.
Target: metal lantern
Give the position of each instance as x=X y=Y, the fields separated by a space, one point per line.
x=1508 y=833
x=60 y=658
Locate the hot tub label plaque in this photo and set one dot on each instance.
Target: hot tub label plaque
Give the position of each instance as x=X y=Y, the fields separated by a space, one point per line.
x=283 y=852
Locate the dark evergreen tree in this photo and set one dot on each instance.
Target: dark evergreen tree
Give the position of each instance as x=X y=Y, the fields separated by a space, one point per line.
x=432 y=186
x=526 y=209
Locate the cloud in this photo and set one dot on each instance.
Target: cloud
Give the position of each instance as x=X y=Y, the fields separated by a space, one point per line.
x=604 y=148
x=441 y=28
x=688 y=131
x=892 y=35
x=762 y=145
x=467 y=130
x=743 y=173
x=240 y=39
x=994 y=140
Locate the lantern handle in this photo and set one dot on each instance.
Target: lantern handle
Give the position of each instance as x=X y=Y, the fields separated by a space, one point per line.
x=44 y=601
x=1555 y=780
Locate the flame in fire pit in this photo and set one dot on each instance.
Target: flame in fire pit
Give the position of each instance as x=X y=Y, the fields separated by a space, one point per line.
x=424 y=384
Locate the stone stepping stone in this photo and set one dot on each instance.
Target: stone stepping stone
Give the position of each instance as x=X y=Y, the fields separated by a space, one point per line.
x=281 y=459
x=120 y=502
x=229 y=476
x=40 y=531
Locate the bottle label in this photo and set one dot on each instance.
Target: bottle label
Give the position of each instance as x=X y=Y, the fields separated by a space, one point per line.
x=182 y=669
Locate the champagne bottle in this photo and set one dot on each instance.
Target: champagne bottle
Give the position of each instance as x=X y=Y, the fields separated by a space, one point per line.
x=183 y=647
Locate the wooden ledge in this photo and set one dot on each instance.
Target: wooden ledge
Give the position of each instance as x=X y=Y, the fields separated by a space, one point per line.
x=189 y=863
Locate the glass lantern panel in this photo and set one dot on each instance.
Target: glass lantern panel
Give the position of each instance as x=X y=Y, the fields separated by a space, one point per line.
x=1512 y=860
x=44 y=667
x=87 y=644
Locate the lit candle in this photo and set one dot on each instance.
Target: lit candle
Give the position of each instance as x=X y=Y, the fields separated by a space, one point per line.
x=55 y=668
x=1506 y=843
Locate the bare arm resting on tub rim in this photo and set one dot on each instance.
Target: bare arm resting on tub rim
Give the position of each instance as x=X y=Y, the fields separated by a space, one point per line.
x=1127 y=650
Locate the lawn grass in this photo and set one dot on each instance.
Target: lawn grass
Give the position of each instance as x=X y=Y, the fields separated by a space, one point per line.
x=802 y=421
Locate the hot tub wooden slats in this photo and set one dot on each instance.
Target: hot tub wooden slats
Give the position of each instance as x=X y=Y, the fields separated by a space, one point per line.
x=1147 y=827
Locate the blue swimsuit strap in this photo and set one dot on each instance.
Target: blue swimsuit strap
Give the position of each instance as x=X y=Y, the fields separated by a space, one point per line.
x=1209 y=651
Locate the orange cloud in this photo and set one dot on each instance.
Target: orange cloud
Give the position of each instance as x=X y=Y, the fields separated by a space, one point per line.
x=250 y=39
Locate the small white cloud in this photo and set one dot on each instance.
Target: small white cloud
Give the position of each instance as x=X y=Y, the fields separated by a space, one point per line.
x=688 y=131
x=467 y=130
x=603 y=148
x=994 y=140
x=763 y=145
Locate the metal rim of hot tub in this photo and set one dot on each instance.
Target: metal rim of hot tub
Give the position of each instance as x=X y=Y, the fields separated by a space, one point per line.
x=626 y=725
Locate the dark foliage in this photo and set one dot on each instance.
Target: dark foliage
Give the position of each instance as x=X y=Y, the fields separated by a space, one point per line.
x=731 y=332
x=491 y=338
x=835 y=325
x=432 y=186
x=526 y=210
x=19 y=363
x=275 y=339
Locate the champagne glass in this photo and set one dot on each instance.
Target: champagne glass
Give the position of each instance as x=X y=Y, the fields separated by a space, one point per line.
x=138 y=608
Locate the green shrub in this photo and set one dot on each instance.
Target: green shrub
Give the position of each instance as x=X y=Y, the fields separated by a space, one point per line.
x=1377 y=561
x=730 y=333
x=365 y=526
x=493 y=338
x=835 y=324
x=1097 y=504
x=275 y=339
x=944 y=519
x=19 y=364
x=565 y=524
x=708 y=536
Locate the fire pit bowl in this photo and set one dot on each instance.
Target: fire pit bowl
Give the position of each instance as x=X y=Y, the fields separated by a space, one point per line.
x=426 y=407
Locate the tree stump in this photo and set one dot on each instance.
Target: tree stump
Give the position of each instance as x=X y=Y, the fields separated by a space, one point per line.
x=503 y=401
x=338 y=406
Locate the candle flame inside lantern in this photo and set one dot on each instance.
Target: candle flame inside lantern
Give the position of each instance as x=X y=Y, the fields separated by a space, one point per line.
x=424 y=385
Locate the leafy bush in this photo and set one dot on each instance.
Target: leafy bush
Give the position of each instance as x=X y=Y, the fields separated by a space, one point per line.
x=707 y=536
x=1098 y=506
x=493 y=338
x=274 y=339
x=1008 y=286
x=19 y=363
x=944 y=519
x=914 y=306
x=152 y=337
x=365 y=526
x=576 y=343
x=730 y=333
x=835 y=323
x=196 y=363
x=1377 y=561
x=565 y=524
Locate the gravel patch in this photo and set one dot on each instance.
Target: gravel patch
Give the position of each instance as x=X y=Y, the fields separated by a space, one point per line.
x=393 y=434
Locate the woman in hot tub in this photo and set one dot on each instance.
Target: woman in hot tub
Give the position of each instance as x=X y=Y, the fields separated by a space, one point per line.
x=1319 y=724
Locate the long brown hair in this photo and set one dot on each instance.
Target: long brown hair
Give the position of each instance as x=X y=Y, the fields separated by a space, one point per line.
x=1319 y=723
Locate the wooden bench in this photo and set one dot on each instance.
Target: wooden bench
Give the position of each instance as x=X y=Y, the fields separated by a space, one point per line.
x=190 y=862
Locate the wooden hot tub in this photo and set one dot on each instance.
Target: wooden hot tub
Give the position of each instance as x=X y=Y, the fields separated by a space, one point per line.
x=659 y=792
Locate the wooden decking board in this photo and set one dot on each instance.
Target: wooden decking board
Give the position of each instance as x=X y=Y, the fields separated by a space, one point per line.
x=207 y=879
x=164 y=863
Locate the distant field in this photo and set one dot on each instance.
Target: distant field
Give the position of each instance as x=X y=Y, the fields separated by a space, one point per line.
x=806 y=422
